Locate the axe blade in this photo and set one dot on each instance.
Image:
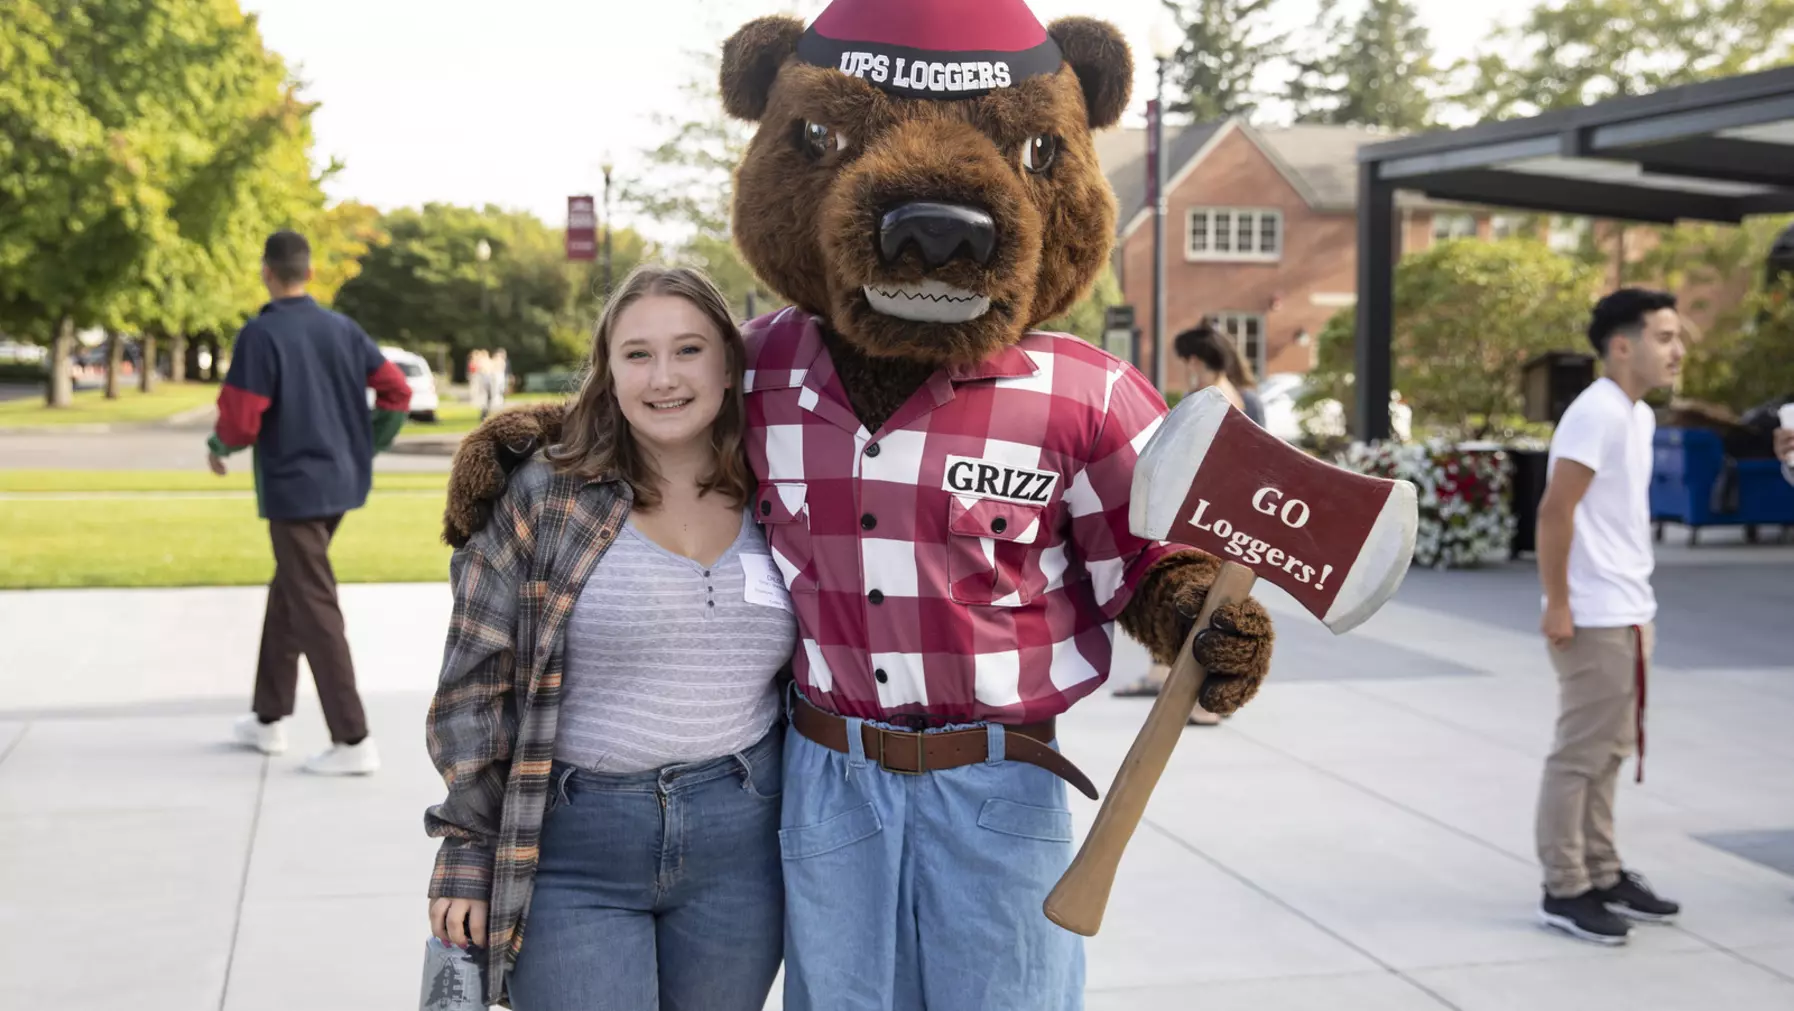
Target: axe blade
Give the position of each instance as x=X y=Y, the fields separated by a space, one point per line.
x=1338 y=542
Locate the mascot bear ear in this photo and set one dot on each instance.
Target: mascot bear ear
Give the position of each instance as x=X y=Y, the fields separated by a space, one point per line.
x=751 y=61
x=1099 y=55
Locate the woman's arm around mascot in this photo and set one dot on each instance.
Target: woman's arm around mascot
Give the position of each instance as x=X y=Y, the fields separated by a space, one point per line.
x=1236 y=653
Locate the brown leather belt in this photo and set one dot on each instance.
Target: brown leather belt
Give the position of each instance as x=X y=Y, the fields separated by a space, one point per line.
x=913 y=754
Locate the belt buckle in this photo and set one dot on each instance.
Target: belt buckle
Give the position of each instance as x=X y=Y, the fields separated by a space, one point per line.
x=921 y=754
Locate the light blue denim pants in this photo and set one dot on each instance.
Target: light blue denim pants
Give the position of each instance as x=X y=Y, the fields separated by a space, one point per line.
x=906 y=892
x=658 y=889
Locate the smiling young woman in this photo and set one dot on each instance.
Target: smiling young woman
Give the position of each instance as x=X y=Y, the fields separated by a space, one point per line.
x=625 y=586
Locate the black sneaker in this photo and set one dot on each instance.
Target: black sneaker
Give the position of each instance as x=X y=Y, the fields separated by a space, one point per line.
x=1632 y=896
x=1584 y=916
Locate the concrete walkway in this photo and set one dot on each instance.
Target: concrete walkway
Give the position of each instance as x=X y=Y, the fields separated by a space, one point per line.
x=1358 y=837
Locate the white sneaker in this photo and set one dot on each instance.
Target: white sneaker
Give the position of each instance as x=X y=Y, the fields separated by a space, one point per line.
x=269 y=739
x=345 y=760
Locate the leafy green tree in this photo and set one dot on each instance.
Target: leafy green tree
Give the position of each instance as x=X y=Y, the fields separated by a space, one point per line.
x=1577 y=52
x=1468 y=315
x=66 y=195
x=131 y=135
x=1226 y=43
x=1375 y=69
x=1746 y=356
x=1085 y=319
x=689 y=182
x=424 y=285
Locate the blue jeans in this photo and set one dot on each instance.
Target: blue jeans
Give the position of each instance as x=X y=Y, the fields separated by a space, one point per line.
x=658 y=889
x=905 y=892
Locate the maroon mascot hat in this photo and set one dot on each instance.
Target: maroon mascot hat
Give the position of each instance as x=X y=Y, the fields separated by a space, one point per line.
x=940 y=49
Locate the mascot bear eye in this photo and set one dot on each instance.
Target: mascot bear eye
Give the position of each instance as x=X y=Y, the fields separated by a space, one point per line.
x=821 y=141
x=1039 y=152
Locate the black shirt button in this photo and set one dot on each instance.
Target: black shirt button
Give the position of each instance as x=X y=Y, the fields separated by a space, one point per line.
x=999 y=525
x=766 y=508
x=876 y=596
x=880 y=675
x=872 y=450
x=868 y=521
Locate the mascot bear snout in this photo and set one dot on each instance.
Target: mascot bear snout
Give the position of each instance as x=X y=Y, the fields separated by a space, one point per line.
x=940 y=231
x=932 y=243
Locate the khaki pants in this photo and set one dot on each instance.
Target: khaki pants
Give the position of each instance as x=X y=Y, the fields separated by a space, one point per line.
x=1597 y=729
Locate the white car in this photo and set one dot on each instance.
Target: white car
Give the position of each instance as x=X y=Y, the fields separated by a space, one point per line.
x=418 y=376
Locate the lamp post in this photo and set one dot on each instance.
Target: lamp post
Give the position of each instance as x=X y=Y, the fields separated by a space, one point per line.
x=1163 y=38
x=607 y=168
x=482 y=253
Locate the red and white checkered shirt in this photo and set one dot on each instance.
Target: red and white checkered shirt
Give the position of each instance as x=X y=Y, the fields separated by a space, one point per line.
x=968 y=560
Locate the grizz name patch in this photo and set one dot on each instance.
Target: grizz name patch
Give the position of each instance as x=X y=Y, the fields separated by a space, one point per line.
x=1001 y=481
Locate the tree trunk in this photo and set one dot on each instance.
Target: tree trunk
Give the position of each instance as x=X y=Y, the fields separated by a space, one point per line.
x=147 y=380
x=115 y=353
x=177 y=359
x=59 y=386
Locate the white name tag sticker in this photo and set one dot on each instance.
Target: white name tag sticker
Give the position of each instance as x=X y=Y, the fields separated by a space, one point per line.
x=762 y=584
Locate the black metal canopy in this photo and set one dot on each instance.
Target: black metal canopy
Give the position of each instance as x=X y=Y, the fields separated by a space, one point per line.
x=1716 y=151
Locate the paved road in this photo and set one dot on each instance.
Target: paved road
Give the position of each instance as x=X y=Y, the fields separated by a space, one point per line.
x=1358 y=838
x=153 y=449
x=13 y=391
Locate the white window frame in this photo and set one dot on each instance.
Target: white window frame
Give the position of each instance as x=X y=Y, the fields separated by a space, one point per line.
x=1236 y=325
x=1210 y=217
x=1567 y=233
x=1505 y=226
x=1453 y=225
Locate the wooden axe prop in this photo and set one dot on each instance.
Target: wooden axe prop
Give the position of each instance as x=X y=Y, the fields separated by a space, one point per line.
x=1337 y=541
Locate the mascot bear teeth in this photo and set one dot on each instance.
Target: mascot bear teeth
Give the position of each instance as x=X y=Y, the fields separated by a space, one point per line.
x=924 y=190
x=928 y=302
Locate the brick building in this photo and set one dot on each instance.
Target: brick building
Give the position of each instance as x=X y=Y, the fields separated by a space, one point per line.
x=1262 y=231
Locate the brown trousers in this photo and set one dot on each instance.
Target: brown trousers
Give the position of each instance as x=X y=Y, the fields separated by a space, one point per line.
x=1599 y=717
x=303 y=617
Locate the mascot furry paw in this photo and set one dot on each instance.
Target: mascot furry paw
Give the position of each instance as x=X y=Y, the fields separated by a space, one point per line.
x=944 y=489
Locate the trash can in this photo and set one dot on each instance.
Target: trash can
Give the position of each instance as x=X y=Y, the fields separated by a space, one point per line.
x=1549 y=382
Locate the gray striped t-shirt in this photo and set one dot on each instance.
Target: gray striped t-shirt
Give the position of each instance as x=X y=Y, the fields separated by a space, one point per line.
x=669 y=661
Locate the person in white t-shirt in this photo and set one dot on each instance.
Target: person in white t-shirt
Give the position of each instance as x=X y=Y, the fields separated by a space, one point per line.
x=1784 y=443
x=1595 y=563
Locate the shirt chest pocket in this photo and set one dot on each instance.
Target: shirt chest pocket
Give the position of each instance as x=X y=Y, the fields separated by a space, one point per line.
x=994 y=551
x=782 y=509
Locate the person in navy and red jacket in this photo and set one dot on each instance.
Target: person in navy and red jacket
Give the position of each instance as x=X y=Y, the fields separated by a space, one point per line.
x=296 y=391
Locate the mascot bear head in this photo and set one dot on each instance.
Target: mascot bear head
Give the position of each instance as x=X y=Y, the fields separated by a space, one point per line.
x=923 y=180
x=923 y=177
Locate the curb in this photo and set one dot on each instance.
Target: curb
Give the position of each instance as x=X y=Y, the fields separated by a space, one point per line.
x=71 y=429
x=425 y=445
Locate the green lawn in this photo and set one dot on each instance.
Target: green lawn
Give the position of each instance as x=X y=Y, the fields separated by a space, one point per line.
x=239 y=479
x=134 y=541
x=91 y=407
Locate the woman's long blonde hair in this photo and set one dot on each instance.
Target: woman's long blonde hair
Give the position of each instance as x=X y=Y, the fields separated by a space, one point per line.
x=596 y=440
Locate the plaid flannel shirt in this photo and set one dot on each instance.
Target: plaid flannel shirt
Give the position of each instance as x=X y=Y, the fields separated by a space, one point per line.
x=491 y=725
x=966 y=561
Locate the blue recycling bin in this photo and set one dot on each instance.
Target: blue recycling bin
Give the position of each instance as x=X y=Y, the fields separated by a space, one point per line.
x=1687 y=487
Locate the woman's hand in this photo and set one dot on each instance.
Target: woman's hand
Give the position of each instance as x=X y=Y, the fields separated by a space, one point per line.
x=459 y=922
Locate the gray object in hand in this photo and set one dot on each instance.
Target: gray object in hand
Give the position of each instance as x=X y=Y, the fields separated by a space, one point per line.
x=454 y=979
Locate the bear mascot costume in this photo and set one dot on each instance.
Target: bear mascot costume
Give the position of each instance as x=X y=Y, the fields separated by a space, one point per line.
x=944 y=489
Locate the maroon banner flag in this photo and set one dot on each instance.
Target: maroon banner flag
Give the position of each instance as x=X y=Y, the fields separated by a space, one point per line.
x=582 y=229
